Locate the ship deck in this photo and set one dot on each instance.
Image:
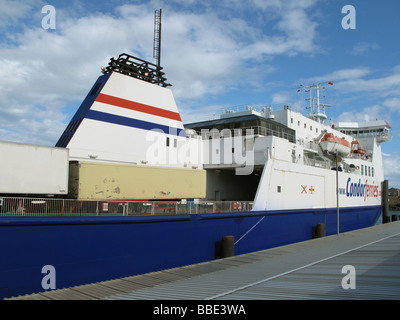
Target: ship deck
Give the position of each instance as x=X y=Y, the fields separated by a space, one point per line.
x=305 y=270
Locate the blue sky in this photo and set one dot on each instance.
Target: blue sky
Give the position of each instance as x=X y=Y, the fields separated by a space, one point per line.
x=217 y=54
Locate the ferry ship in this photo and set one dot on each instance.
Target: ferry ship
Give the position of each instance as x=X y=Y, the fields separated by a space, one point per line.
x=279 y=160
x=282 y=173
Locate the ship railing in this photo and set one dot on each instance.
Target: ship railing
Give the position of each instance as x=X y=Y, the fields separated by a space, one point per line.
x=308 y=144
x=137 y=68
x=39 y=207
x=367 y=157
x=317 y=163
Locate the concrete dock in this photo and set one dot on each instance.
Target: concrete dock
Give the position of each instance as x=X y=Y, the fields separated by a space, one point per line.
x=362 y=264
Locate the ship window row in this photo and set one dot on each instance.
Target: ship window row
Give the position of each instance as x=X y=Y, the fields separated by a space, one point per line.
x=239 y=126
x=367 y=171
x=366 y=132
x=305 y=125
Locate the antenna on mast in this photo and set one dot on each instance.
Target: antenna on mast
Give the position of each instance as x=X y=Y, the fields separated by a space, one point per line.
x=317 y=112
x=157 y=37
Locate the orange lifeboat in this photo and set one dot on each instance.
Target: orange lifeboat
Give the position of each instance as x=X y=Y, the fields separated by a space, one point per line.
x=332 y=144
x=356 y=148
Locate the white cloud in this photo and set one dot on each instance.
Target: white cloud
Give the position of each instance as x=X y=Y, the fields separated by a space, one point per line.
x=384 y=86
x=362 y=80
x=12 y=11
x=366 y=114
x=393 y=104
x=215 y=51
x=43 y=71
x=191 y=115
x=391 y=164
x=281 y=4
x=280 y=98
x=300 y=30
x=342 y=74
x=363 y=47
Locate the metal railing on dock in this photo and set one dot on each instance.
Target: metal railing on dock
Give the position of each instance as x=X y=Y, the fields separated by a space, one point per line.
x=25 y=207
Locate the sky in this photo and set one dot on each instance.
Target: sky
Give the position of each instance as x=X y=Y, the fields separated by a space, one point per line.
x=216 y=54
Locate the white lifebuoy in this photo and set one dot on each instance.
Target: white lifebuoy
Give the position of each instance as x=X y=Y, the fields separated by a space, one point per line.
x=358 y=167
x=383 y=134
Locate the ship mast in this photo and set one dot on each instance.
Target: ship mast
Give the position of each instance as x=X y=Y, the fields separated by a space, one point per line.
x=319 y=113
x=157 y=37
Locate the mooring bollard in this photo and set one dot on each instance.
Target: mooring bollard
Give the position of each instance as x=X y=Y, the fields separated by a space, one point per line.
x=385 y=202
x=228 y=246
x=320 y=230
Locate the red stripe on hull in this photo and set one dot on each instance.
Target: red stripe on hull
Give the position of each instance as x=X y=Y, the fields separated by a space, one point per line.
x=128 y=104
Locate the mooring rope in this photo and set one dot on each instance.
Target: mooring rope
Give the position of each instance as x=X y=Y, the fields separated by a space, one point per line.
x=250 y=230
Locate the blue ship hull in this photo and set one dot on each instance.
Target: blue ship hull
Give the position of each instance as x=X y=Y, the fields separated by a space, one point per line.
x=91 y=249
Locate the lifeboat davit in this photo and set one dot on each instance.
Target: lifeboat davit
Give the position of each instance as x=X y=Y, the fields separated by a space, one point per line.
x=356 y=148
x=332 y=144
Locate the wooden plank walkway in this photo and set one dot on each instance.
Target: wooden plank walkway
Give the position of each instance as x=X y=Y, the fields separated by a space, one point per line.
x=305 y=270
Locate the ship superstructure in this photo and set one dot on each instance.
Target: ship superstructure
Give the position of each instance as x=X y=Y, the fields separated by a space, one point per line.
x=288 y=160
